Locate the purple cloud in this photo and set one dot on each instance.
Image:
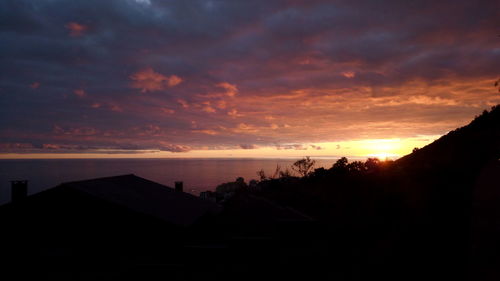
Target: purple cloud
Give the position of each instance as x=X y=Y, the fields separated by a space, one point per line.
x=226 y=73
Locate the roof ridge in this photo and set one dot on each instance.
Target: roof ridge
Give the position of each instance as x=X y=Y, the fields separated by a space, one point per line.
x=101 y=178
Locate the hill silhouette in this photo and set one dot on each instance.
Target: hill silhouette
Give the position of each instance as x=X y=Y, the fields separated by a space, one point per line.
x=468 y=147
x=433 y=211
x=433 y=214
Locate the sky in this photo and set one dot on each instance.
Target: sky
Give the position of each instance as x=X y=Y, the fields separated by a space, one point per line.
x=230 y=78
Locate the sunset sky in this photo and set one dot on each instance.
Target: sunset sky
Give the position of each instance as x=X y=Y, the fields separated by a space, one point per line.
x=231 y=78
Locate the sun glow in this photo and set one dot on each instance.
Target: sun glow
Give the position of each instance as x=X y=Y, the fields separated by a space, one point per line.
x=385 y=148
x=383 y=155
x=379 y=148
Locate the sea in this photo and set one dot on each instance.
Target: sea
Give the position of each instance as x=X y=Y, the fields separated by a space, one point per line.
x=197 y=174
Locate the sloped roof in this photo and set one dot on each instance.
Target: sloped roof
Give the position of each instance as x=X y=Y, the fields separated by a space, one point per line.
x=147 y=197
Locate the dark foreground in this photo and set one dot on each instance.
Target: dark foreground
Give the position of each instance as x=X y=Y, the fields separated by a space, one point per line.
x=433 y=214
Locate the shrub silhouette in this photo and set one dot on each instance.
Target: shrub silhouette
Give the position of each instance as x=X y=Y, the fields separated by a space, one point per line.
x=304 y=166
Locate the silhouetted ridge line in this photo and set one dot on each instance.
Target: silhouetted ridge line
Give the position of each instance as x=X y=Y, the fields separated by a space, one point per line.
x=473 y=146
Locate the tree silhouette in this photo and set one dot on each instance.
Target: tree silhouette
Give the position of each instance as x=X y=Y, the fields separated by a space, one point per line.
x=341 y=164
x=236 y=185
x=277 y=172
x=356 y=166
x=372 y=164
x=285 y=173
x=304 y=166
x=261 y=174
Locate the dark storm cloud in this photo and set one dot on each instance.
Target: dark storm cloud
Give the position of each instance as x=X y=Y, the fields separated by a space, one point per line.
x=180 y=75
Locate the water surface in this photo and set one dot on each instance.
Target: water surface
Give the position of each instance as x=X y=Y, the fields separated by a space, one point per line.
x=197 y=174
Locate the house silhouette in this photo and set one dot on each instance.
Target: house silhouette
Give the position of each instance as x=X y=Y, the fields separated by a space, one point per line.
x=127 y=192
x=129 y=228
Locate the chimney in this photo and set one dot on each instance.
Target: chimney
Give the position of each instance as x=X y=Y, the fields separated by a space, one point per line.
x=19 y=190
x=178 y=186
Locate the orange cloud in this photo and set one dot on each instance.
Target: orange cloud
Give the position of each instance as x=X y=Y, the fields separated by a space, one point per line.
x=167 y=110
x=207 y=107
x=80 y=93
x=76 y=29
x=234 y=113
x=174 y=80
x=349 y=74
x=231 y=89
x=221 y=104
x=206 y=132
x=245 y=128
x=115 y=108
x=149 y=80
x=183 y=103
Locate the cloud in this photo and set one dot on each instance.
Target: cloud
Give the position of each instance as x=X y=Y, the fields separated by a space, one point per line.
x=80 y=93
x=115 y=107
x=147 y=80
x=206 y=132
x=221 y=104
x=287 y=72
x=76 y=29
x=207 y=107
x=54 y=146
x=243 y=128
x=149 y=130
x=291 y=146
x=231 y=89
x=35 y=85
x=234 y=113
x=74 y=131
x=15 y=147
x=174 y=80
x=349 y=74
x=24 y=148
x=247 y=146
x=145 y=2
x=183 y=103
x=167 y=110
x=110 y=106
x=174 y=148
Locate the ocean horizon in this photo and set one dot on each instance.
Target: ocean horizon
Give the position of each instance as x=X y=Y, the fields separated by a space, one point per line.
x=198 y=174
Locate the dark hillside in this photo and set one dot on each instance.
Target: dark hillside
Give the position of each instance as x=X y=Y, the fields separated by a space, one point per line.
x=430 y=212
x=469 y=147
x=433 y=214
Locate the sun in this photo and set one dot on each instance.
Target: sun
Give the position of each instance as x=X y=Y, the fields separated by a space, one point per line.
x=383 y=156
x=383 y=148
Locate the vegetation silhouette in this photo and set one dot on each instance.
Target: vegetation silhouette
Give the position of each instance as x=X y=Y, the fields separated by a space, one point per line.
x=423 y=207
x=429 y=213
x=303 y=166
x=432 y=214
